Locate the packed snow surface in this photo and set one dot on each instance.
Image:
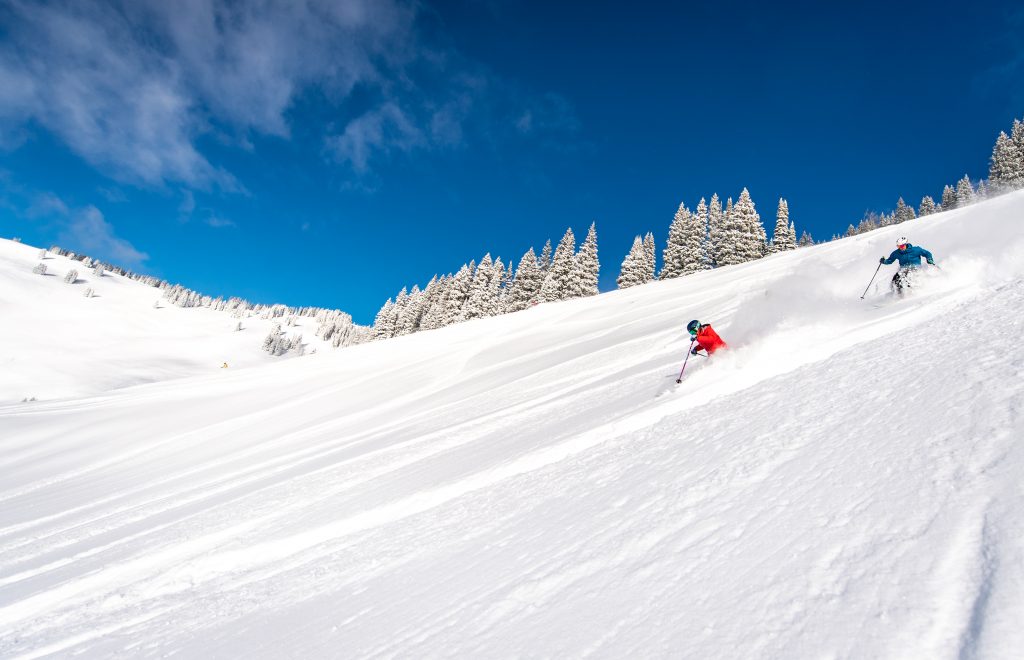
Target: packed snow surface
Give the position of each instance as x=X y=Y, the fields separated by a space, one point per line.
x=847 y=481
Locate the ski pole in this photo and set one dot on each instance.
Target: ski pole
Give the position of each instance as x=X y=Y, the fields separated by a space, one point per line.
x=685 y=360
x=872 y=281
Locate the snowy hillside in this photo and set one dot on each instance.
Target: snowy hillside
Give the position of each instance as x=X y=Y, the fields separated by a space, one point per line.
x=846 y=481
x=58 y=343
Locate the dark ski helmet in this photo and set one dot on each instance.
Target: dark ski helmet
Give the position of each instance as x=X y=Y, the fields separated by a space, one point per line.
x=693 y=326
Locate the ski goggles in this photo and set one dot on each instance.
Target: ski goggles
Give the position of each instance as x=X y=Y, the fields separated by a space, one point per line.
x=693 y=333
x=903 y=247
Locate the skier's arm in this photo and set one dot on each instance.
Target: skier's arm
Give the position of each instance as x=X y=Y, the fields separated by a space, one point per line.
x=889 y=260
x=928 y=256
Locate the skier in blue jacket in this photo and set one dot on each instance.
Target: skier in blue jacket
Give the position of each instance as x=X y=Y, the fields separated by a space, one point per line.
x=909 y=257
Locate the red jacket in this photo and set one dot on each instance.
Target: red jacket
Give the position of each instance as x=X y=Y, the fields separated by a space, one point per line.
x=709 y=340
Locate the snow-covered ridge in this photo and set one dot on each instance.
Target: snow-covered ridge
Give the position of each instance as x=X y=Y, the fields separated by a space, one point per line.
x=844 y=482
x=60 y=342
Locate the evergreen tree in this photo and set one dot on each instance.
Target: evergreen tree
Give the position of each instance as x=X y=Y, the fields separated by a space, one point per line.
x=927 y=206
x=948 y=198
x=1006 y=168
x=382 y=324
x=545 y=257
x=784 y=236
x=904 y=212
x=497 y=281
x=649 y=257
x=851 y=230
x=527 y=283
x=633 y=266
x=39 y=269
x=672 y=255
x=587 y=266
x=981 y=193
x=805 y=239
x=964 y=192
x=436 y=295
x=1017 y=136
x=71 y=277
x=408 y=320
x=458 y=293
x=744 y=232
x=716 y=227
x=558 y=281
x=480 y=302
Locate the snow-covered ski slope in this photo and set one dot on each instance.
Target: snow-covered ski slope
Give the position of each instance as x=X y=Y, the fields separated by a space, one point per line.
x=55 y=342
x=846 y=482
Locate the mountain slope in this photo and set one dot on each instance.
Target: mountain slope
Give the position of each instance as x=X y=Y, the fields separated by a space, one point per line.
x=58 y=343
x=844 y=482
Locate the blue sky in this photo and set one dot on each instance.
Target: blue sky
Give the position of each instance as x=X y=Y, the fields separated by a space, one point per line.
x=329 y=153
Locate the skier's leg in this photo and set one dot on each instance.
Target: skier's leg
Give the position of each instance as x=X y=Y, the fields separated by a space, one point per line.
x=897 y=285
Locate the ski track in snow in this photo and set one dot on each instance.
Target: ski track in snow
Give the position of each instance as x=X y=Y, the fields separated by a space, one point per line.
x=844 y=482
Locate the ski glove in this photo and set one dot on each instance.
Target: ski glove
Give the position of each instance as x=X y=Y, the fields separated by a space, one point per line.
x=881 y=260
x=694 y=350
x=931 y=262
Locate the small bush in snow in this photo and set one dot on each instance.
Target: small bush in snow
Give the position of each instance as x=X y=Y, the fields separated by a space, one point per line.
x=40 y=269
x=88 y=292
x=71 y=277
x=42 y=254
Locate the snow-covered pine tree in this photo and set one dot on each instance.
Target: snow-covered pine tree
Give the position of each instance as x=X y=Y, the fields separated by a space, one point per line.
x=672 y=255
x=805 y=239
x=744 y=230
x=458 y=293
x=716 y=225
x=981 y=192
x=545 y=257
x=505 y=293
x=866 y=224
x=633 y=266
x=527 y=283
x=904 y=212
x=1006 y=168
x=408 y=320
x=383 y=327
x=927 y=206
x=41 y=255
x=964 y=192
x=558 y=281
x=701 y=219
x=587 y=266
x=88 y=292
x=1017 y=136
x=851 y=230
x=479 y=303
x=784 y=236
x=649 y=257
x=497 y=280
x=948 y=198
x=436 y=294
x=39 y=269
x=71 y=277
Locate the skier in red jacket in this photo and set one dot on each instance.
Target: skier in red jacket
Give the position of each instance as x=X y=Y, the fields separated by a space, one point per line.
x=705 y=337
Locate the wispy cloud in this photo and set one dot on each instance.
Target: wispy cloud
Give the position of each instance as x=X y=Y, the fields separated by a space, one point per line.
x=87 y=231
x=134 y=87
x=131 y=85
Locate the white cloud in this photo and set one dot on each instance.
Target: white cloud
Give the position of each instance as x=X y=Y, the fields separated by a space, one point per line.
x=130 y=85
x=134 y=86
x=88 y=232
x=382 y=130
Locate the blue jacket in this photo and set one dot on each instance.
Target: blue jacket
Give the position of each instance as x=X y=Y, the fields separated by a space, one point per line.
x=909 y=258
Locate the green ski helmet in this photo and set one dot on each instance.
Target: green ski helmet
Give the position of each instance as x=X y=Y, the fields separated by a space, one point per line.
x=693 y=326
